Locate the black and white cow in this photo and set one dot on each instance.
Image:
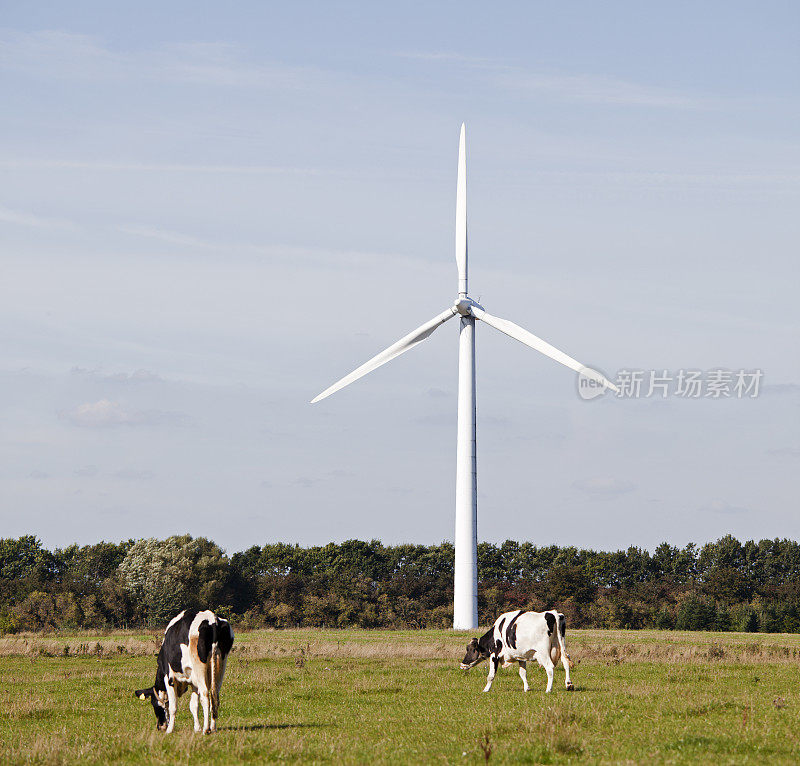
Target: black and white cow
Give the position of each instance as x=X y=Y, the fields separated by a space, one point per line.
x=518 y=637
x=192 y=655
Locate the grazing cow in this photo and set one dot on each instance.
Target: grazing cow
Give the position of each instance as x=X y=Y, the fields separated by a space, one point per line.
x=518 y=637
x=193 y=655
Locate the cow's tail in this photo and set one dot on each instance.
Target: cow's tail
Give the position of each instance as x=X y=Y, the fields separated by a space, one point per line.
x=562 y=644
x=216 y=662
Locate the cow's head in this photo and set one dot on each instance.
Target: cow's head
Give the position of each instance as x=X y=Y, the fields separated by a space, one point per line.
x=478 y=650
x=158 y=699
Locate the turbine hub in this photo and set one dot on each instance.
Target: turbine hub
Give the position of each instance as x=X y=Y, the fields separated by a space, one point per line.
x=463 y=306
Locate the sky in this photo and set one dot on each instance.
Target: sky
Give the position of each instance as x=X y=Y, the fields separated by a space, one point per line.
x=210 y=212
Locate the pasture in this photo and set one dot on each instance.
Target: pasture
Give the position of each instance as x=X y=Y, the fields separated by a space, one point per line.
x=351 y=696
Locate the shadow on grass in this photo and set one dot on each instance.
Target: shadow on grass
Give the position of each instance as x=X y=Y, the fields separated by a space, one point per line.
x=272 y=726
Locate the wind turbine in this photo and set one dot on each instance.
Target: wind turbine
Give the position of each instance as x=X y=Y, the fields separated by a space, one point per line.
x=465 y=595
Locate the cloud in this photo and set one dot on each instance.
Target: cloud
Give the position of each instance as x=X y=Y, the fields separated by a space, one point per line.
x=784 y=451
x=99 y=414
x=163 y=235
x=305 y=482
x=436 y=393
x=133 y=474
x=155 y=167
x=87 y=471
x=717 y=506
x=603 y=486
x=451 y=57
x=107 y=414
x=7 y=215
x=661 y=180
x=340 y=473
x=37 y=474
x=62 y=55
x=137 y=376
x=595 y=89
x=580 y=87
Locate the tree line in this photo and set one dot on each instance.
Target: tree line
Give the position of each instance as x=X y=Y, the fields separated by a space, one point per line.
x=724 y=585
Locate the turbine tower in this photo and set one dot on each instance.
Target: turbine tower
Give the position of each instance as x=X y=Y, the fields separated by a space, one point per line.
x=465 y=591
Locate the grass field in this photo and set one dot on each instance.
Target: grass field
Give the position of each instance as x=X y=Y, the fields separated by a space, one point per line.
x=399 y=697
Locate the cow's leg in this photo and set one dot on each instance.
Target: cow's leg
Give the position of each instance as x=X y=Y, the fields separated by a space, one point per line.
x=565 y=663
x=172 y=701
x=214 y=713
x=562 y=644
x=523 y=673
x=193 y=701
x=493 y=663
x=204 y=701
x=547 y=664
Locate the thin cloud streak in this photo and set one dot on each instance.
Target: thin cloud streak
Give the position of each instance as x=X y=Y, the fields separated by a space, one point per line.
x=7 y=215
x=450 y=56
x=163 y=235
x=596 y=89
x=658 y=179
x=109 y=414
x=63 y=55
x=53 y=54
x=603 y=486
x=725 y=509
x=137 y=376
x=134 y=474
x=655 y=179
x=58 y=164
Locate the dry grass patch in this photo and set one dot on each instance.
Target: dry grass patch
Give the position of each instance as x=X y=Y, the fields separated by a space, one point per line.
x=302 y=645
x=80 y=645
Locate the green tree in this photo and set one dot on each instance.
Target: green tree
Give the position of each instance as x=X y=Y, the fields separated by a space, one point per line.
x=181 y=572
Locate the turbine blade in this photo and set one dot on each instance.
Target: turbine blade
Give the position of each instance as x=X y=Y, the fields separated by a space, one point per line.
x=461 y=213
x=529 y=339
x=404 y=344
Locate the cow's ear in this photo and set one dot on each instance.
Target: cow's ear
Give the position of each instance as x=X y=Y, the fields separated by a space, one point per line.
x=473 y=642
x=144 y=694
